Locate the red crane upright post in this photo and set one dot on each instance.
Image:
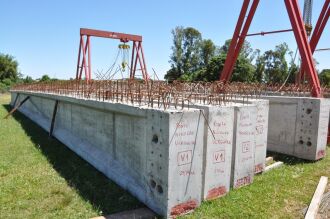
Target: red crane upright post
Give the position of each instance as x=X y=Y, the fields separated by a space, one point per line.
x=318 y=30
x=242 y=27
x=84 y=60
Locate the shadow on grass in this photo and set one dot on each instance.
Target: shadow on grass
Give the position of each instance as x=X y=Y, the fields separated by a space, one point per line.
x=287 y=159
x=92 y=185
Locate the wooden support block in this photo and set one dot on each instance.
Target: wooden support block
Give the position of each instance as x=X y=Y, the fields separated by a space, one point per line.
x=269 y=159
x=317 y=197
x=273 y=166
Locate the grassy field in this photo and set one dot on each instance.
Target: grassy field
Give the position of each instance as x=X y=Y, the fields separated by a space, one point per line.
x=41 y=178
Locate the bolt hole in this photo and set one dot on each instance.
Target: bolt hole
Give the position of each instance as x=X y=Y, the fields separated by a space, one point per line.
x=155 y=139
x=309 y=143
x=160 y=155
x=152 y=164
x=301 y=142
x=309 y=111
x=152 y=183
x=160 y=189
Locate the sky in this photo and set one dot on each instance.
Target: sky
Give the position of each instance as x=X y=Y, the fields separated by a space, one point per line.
x=43 y=36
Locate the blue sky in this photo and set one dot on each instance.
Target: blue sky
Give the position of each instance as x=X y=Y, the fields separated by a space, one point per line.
x=44 y=35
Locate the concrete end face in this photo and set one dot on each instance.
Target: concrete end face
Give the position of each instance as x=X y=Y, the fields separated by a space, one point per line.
x=244 y=146
x=218 y=151
x=298 y=126
x=261 y=132
x=186 y=141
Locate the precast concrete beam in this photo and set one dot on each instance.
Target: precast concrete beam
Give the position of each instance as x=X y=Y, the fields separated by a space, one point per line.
x=298 y=126
x=156 y=155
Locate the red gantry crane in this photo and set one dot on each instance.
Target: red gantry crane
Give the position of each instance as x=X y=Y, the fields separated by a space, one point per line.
x=84 y=56
x=305 y=47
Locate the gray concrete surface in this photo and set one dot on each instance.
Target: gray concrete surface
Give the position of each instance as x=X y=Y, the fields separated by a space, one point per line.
x=218 y=143
x=156 y=155
x=243 y=146
x=298 y=126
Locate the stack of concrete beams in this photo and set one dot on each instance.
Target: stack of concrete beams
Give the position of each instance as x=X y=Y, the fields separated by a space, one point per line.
x=171 y=159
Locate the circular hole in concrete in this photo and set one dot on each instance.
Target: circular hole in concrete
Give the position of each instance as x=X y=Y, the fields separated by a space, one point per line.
x=155 y=139
x=301 y=142
x=152 y=152
x=160 y=155
x=309 y=111
x=160 y=189
x=309 y=143
x=152 y=164
x=152 y=183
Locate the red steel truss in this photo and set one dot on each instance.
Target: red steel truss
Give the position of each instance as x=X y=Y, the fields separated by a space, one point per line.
x=318 y=30
x=84 y=60
x=241 y=30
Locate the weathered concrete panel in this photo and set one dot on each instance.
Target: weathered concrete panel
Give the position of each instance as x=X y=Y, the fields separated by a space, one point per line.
x=261 y=132
x=243 y=146
x=298 y=126
x=217 y=150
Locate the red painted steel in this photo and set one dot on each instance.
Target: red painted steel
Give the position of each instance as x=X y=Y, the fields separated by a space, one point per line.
x=123 y=37
x=84 y=63
x=262 y=33
x=238 y=38
x=318 y=30
x=298 y=28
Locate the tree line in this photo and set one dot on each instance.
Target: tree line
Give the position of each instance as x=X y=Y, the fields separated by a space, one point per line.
x=196 y=59
x=10 y=74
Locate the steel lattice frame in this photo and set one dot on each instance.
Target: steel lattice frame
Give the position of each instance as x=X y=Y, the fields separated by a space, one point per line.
x=297 y=23
x=84 y=61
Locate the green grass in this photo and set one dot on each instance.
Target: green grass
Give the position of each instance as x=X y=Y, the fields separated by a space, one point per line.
x=41 y=178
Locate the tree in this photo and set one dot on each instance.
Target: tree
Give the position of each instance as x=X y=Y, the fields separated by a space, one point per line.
x=191 y=49
x=45 y=78
x=243 y=70
x=272 y=67
x=325 y=77
x=207 y=51
x=185 y=57
x=8 y=67
x=260 y=66
x=28 y=79
x=246 y=51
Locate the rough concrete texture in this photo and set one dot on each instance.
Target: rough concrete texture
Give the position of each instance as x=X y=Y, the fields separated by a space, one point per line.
x=298 y=126
x=156 y=155
x=261 y=132
x=243 y=145
x=218 y=141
